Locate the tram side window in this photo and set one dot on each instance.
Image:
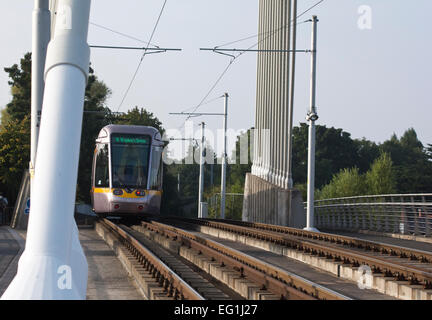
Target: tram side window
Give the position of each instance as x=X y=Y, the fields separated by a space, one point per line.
x=102 y=168
x=156 y=169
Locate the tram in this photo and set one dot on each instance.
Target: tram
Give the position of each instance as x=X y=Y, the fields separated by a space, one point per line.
x=127 y=171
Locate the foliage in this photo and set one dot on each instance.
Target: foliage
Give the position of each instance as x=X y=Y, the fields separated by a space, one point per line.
x=14 y=155
x=412 y=165
x=346 y=183
x=15 y=129
x=94 y=119
x=237 y=171
x=380 y=179
x=4 y=117
x=139 y=117
x=20 y=82
x=335 y=150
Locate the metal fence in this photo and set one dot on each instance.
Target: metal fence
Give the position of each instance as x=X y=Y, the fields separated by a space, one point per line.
x=233 y=206
x=395 y=213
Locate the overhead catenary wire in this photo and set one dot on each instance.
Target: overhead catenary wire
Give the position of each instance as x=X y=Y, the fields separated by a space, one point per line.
x=233 y=59
x=204 y=103
x=142 y=57
x=122 y=34
x=272 y=31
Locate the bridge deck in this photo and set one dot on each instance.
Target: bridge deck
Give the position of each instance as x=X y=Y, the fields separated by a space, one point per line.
x=107 y=279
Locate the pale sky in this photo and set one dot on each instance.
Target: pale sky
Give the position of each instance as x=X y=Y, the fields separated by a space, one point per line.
x=372 y=83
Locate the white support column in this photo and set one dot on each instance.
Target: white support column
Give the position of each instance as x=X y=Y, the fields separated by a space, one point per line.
x=224 y=160
x=266 y=85
x=285 y=93
x=53 y=8
x=53 y=265
x=40 y=38
x=272 y=96
x=277 y=95
x=273 y=92
x=293 y=47
x=312 y=117
x=256 y=162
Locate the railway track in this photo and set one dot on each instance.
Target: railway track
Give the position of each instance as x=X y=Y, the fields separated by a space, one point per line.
x=148 y=269
x=403 y=264
x=218 y=273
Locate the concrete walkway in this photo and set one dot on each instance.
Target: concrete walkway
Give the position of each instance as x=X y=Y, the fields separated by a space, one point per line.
x=107 y=279
x=11 y=247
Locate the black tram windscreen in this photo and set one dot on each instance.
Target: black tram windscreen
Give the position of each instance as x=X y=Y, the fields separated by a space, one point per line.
x=130 y=160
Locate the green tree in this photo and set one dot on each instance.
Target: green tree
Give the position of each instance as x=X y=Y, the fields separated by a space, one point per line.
x=20 y=82
x=4 y=117
x=15 y=129
x=95 y=117
x=429 y=151
x=140 y=117
x=411 y=162
x=380 y=179
x=367 y=151
x=335 y=150
x=346 y=183
x=14 y=155
x=236 y=172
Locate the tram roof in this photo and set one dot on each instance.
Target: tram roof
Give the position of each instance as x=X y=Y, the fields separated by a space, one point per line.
x=129 y=129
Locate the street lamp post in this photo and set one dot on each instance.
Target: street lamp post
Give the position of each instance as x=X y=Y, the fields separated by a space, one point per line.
x=201 y=172
x=224 y=160
x=312 y=117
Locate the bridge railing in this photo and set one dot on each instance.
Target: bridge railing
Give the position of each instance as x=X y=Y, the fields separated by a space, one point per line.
x=394 y=213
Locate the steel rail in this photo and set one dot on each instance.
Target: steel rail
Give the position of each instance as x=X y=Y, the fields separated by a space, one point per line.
x=403 y=252
x=174 y=285
x=400 y=271
x=276 y=280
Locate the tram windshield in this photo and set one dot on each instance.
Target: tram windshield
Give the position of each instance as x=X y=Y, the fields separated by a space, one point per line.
x=130 y=160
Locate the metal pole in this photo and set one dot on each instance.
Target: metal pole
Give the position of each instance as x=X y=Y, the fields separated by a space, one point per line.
x=312 y=117
x=41 y=35
x=201 y=174
x=291 y=91
x=224 y=159
x=53 y=264
x=178 y=183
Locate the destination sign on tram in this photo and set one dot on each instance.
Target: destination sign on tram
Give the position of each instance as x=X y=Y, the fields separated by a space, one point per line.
x=130 y=139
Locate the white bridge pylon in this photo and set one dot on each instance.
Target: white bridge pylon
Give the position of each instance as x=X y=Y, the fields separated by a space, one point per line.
x=53 y=265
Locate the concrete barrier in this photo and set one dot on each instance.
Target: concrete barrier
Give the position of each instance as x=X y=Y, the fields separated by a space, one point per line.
x=267 y=203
